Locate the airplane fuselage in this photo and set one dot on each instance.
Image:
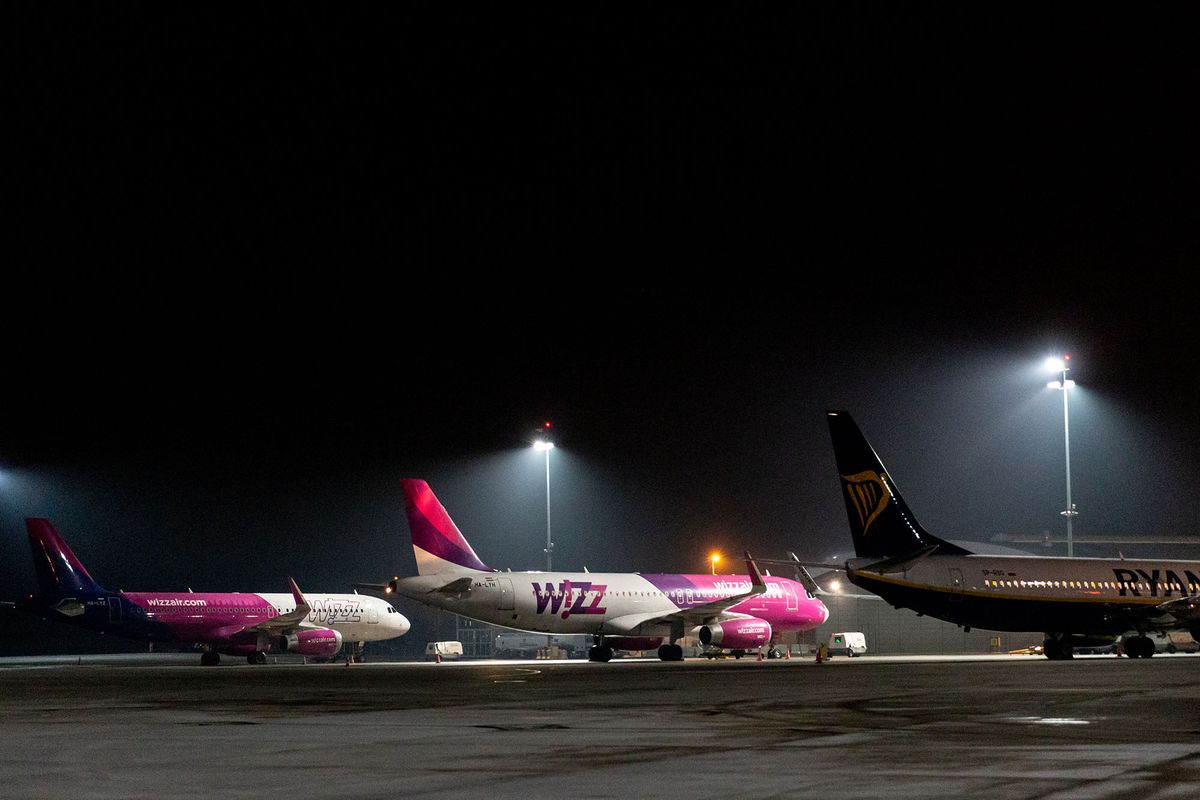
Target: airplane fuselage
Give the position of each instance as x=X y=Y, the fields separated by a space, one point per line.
x=1032 y=593
x=208 y=617
x=612 y=604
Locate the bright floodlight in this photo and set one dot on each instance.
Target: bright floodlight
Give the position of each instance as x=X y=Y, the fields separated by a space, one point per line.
x=1054 y=385
x=835 y=586
x=1055 y=364
x=543 y=445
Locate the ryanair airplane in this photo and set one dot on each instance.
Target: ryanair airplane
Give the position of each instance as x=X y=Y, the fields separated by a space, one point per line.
x=1077 y=601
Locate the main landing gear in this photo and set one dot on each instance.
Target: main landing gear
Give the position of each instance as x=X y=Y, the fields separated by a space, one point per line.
x=670 y=652
x=1057 y=649
x=1139 y=647
x=211 y=658
x=599 y=652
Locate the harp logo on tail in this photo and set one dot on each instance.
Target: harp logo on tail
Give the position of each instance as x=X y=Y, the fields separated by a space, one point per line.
x=868 y=495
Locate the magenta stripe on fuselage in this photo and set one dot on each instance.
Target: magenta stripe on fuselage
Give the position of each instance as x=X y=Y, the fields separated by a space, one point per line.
x=188 y=611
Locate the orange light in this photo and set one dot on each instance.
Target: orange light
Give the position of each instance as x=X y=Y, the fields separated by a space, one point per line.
x=714 y=557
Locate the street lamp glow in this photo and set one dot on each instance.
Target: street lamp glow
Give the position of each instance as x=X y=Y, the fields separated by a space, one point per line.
x=715 y=557
x=835 y=586
x=541 y=445
x=1054 y=364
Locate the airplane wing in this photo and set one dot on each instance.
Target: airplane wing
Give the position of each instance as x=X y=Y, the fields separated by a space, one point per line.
x=696 y=615
x=1183 y=609
x=292 y=619
x=701 y=613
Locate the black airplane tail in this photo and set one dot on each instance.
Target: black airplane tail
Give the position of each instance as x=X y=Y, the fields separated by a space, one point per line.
x=881 y=523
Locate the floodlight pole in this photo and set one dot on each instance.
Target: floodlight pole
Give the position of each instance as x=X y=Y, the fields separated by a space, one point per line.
x=1064 y=385
x=545 y=445
x=1070 y=513
x=550 y=544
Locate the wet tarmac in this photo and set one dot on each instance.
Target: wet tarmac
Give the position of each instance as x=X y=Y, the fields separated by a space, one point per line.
x=996 y=727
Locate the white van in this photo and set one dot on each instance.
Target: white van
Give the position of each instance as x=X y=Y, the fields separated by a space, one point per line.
x=444 y=649
x=852 y=643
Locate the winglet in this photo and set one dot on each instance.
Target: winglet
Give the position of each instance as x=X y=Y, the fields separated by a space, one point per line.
x=757 y=584
x=298 y=596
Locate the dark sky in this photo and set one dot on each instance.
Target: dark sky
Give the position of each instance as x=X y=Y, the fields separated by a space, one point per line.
x=264 y=265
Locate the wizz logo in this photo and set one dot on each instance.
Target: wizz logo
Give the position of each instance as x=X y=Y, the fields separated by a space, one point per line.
x=331 y=611
x=570 y=597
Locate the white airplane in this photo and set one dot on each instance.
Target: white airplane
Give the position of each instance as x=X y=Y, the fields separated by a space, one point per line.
x=1077 y=601
x=628 y=611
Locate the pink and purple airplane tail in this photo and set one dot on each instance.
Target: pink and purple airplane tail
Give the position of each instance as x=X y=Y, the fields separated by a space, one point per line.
x=59 y=571
x=437 y=543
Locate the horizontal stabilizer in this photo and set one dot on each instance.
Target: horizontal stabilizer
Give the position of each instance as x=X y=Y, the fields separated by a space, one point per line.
x=457 y=588
x=793 y=561
x=900 y=564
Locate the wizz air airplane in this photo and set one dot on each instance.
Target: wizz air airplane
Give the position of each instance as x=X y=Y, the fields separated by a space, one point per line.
x=1076 y=601
x=241 y=624
x=626 y=611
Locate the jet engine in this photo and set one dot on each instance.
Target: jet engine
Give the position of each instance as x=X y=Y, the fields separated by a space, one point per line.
x=736 y=634
x=315 y=642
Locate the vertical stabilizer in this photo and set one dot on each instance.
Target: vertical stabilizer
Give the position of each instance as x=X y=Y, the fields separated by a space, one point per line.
x=881 y=523
x=59 y=572
x=437 y=543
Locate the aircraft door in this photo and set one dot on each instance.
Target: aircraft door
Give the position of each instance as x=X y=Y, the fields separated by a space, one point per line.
x=790 y=592
x=114 y=610
x=504 y=601
x=956 y=585
x=372 y=615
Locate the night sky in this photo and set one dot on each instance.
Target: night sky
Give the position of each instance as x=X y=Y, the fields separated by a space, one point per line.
x=262 y=266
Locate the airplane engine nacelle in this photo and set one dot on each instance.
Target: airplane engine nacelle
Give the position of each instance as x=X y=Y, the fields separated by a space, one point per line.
x=315 y=642
x=736 y=634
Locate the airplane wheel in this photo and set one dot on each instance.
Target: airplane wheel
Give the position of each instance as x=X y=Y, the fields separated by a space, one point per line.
x=600 y=652
x=670 y=652
x=257 y=658
x=210 y=658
